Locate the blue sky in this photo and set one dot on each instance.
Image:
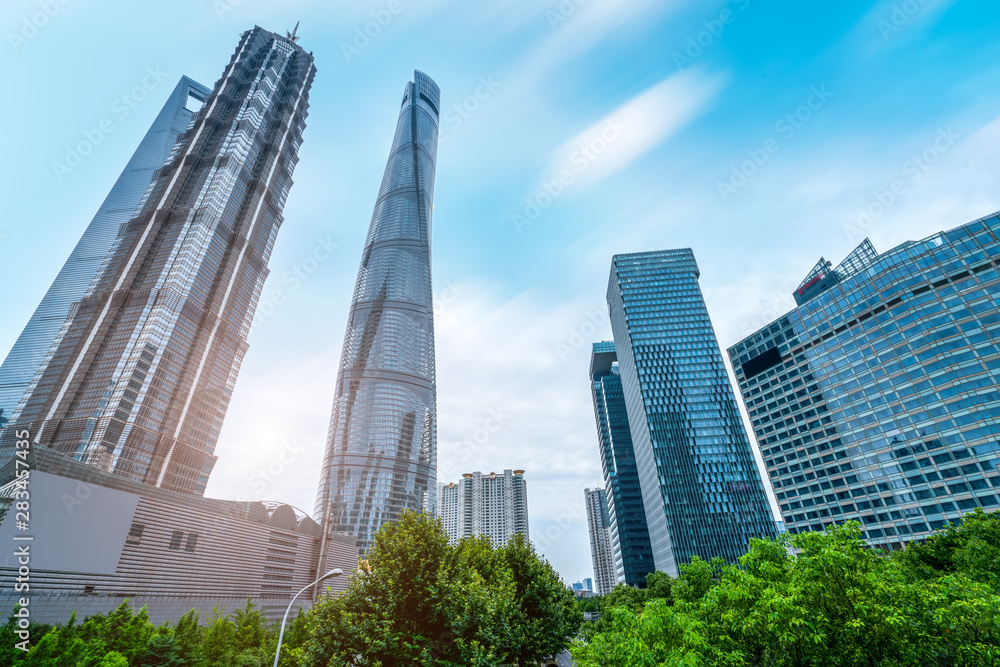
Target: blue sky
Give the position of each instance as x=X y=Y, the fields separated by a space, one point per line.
x=753 y=132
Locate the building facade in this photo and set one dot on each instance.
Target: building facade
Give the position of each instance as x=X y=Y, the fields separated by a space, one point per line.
x=83 y=264
x=139 y=379
x=633 y=554
x=485 y=504
x=381 y=452
x=876 y=399
x=702 y=492
x=99 y=539
x=601 y=551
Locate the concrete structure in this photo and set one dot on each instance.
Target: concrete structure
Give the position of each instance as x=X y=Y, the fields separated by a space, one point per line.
x=701 y=489
x=876 y=398
x=381 y=452
x=99 y=538
x=485 y=504
x=601 y=551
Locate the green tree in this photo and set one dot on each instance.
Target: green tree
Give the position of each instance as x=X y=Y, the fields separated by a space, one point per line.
x=161 y=651
x=407 y=605
x=820 y=599
x=547 y=619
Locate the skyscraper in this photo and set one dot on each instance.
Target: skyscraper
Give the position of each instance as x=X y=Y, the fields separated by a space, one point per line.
x=876 y=398
x=70 y=285
x=701 y=489
x=633 y=554
x=381 y=452
x=140 y=376
x=601 y=552
x=490 y=504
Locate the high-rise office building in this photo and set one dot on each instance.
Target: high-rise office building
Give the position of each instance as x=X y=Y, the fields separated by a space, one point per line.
x=485 y=504
x=601 y=552
x=633 y=554
x=381 y=452
x=701 y=489
x=876 y=399
x=140 y=376
x=72 y=281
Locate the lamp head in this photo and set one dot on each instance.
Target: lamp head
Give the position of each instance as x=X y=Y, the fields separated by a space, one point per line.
x=335 y=572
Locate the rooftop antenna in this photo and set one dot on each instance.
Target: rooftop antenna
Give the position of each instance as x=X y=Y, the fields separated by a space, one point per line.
x=291 y=35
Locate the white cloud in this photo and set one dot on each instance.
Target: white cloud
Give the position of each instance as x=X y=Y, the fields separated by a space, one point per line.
x=637 y=126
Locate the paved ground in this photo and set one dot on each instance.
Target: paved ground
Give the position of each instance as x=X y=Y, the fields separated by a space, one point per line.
x=564 y=660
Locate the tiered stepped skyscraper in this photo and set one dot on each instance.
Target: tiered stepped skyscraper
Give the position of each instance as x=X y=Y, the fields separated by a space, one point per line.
x=381 y=453
x=139 y=378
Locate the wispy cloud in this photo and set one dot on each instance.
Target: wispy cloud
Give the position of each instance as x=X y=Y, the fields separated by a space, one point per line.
x=638 y=126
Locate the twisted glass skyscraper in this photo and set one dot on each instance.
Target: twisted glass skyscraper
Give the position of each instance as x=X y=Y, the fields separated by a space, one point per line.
x=70 y=285
x=381 y=453
x=700 y=485
x=140 y=376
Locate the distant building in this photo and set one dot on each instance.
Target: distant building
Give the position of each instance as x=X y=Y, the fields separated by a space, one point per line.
x=99 y=539
x=582 y=589
x=600 y=541
x=701 y=489
x=588 y=583
x=485 y=504
x=876 y=398
x=633 y=553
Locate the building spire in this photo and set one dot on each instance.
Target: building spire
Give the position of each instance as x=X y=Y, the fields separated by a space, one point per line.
x=291 y=35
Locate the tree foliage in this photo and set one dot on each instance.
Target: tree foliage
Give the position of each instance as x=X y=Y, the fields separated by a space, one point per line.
x=817 y=599
x=420 y=600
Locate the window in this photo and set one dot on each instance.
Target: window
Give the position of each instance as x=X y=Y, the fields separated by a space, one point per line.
x=135 y=533
x=192 y=541
x=175 y=540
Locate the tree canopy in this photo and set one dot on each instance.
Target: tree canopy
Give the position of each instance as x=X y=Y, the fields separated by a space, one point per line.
x=816 y=599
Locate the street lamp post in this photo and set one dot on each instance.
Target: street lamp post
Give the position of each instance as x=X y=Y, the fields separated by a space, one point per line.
x=336 y=572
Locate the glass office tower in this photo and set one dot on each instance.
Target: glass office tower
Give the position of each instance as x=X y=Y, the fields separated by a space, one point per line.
x=633 y=554
x=140 y=376
x=700 y=485
x=72 y=281
x=381 y=453
x=876 y=399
